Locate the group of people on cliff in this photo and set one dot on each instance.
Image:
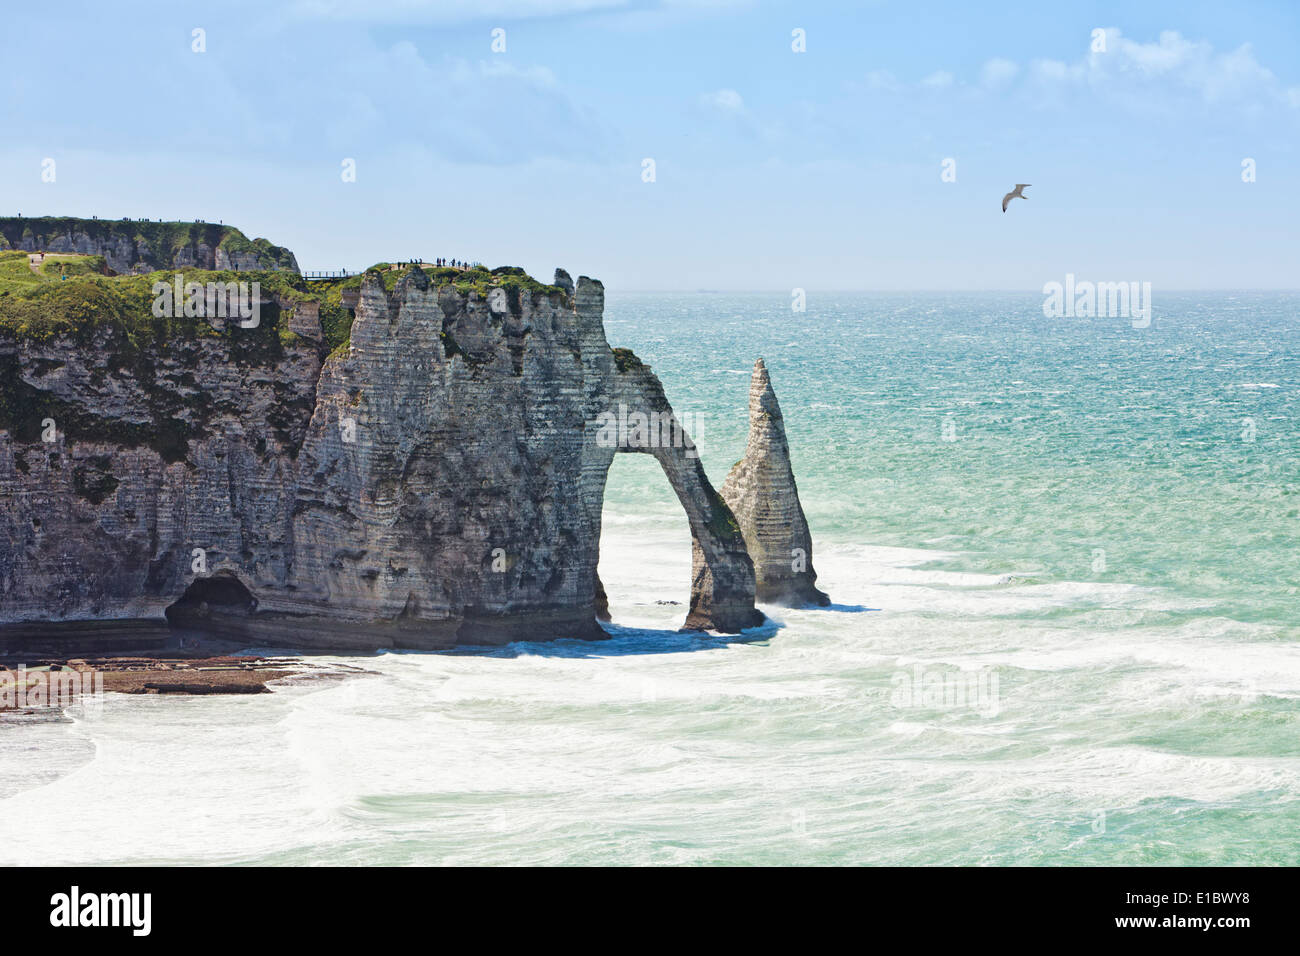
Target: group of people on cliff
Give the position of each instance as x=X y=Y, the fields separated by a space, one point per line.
x=440 y=262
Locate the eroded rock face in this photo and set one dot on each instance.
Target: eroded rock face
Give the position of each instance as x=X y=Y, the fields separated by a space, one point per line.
x=761 y=492
x=130 y=246
x=438 y=480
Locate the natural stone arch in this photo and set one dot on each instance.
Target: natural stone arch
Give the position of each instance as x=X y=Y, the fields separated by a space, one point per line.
x=364 y=495
x=640 y=420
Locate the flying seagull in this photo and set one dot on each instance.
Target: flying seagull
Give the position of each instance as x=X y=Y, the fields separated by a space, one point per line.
x=1014 y=194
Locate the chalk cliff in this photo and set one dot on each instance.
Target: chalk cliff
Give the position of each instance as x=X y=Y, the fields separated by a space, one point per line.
x=434 y=478
x=139 y=246
x=761 y=492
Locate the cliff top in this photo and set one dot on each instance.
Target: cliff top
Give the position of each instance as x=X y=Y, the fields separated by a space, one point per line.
x=477 y=278
x=66 y=294
x=163 y=238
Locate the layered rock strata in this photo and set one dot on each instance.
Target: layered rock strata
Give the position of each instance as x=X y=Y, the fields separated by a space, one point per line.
x=436 y=480
x=137 y=246
x=760 y=490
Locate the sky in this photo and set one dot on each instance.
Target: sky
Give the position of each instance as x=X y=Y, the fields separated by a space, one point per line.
x=773 y=168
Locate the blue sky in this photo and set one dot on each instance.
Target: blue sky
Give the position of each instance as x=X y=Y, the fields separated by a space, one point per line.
x=774 y=169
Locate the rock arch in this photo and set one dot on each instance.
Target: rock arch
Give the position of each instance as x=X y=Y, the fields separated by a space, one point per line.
x=639 y=420
x=435 y=479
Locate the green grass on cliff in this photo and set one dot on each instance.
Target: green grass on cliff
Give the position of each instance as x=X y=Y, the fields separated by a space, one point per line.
x=337 y=320
x=478 y=279
x=69 y=300
x=164 y=239
x=511 y=278
x=625 y=360
x=55 y=266
x=113 y=318
x=15 y=267
x=46 y=305
x=721 y=520
x=51 y=307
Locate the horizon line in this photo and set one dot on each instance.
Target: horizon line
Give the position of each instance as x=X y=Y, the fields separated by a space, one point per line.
x=785 y=291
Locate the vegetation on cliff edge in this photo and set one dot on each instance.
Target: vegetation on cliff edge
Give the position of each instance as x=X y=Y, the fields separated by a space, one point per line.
x=70 y=296
x=625 y=360
x=164 y=239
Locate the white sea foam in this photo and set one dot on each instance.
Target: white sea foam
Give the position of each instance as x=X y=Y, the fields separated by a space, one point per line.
x=1140 y=693
x=434 y=745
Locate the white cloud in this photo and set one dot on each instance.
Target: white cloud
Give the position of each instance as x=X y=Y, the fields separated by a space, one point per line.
x=1143 y=76
x=997 y=73
x=1051 y=71
x=729 y=101
x=1149 y=74
x=444 y=11
x=491 y=111
x=1164 y=56
x=881 y=80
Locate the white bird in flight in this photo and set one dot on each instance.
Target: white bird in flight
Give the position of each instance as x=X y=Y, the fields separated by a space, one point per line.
x=1014 y=194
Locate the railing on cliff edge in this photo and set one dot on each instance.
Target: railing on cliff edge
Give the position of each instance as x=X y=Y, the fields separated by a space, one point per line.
x=321 y=276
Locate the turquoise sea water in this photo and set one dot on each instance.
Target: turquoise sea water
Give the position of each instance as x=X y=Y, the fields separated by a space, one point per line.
x=1095 y=528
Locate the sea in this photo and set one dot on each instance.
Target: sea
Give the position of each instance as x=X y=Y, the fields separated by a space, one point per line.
x=1064 y=561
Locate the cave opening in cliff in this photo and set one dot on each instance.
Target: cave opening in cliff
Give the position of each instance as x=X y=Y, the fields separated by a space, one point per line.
x=211 y=603
x=645 y=546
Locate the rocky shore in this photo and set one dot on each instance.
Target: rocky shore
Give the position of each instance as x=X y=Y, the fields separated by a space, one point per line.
x=34 y=686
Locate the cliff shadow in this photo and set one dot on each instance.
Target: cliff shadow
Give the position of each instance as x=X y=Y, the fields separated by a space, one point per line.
x=624 y=641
